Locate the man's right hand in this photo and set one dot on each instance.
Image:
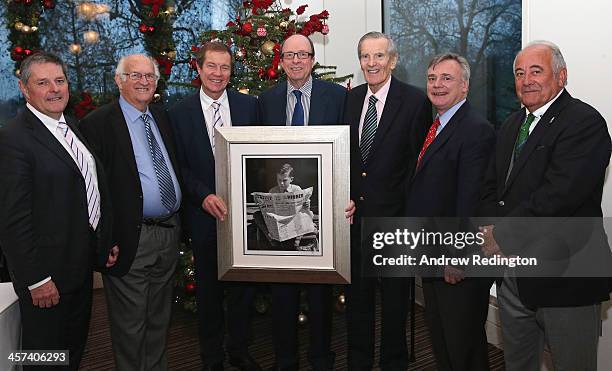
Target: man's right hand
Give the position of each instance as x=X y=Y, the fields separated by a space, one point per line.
x=45 y=296
x=215 y=206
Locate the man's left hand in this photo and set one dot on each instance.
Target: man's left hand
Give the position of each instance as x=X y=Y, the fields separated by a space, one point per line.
x=113 y=255
x=453 y=275
x=490 y=246
x=349 y=212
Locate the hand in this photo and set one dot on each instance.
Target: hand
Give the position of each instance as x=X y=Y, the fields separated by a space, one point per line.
x=490 y=246
x=45 y=296
x=453 y=275
x=349 y=212
x=113 y=255
x=215 y=206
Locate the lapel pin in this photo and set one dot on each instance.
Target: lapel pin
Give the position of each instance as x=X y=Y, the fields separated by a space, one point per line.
x=551 y=120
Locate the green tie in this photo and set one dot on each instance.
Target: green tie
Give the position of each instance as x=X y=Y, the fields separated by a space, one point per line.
x=522 y=136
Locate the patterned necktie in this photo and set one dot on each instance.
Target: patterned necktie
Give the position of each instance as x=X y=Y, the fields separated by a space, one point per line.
x=523 y=135
x=369 y=129
x=93 y=194
x=298 y=112
x=431 y=135
x=164 y=179
x=217 y=122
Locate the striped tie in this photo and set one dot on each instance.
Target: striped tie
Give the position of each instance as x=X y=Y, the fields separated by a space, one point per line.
x=369 y=129
x=164 y=180
x=93 y=194
x=217 y=122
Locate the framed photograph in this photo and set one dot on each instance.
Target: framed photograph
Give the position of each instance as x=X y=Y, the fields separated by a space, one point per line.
x=286 y=189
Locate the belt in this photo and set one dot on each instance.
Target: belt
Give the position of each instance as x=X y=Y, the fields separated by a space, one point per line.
x=159 y=222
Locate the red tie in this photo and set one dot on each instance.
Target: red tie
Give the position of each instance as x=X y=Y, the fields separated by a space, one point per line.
x=431 y=135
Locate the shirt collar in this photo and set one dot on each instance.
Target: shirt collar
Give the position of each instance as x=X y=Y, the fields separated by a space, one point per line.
x=49 y=122
x=132 y=113
x=207 y=101
x=542 y=110
x=448 y=115
x=306 y=89
x=381 y=94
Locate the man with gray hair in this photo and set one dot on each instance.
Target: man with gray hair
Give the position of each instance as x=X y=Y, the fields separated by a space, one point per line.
x=55 y=215
x=135 y=142
x=447 y=182
x=550 y=161
x=388 y=121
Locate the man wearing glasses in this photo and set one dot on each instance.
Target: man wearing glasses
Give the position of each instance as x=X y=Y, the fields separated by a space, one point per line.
x=300 y=101
x=134 y=142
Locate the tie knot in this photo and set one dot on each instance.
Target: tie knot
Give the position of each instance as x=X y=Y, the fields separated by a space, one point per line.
x=436 y=122
x=298 y=94
x=145 y=118
x=63 y=127
x=373 y=99
x=530 y=118
x=215 y=105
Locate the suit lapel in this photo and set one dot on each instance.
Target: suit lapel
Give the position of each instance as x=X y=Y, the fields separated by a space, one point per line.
x=42 y=134
x=536 y=135
x=166 y=134
x=124 y=140
x=279 y=114
x=444 y=135
x=317 y=103
x=198 y=125
x=355 y=114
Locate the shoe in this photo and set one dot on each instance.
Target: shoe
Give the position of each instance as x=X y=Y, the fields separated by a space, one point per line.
x=244 y=363
x=214 y=367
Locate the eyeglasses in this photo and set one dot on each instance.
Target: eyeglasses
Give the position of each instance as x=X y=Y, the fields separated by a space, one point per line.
x=137 y=76
x=300 y=55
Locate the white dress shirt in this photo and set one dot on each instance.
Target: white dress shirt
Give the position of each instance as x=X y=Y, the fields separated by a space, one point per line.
x=209 y=111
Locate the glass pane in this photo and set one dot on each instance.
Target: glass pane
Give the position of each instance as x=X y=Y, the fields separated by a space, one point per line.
x=486 y=32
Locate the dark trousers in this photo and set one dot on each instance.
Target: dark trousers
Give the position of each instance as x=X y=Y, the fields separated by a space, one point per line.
x=62 y=327
x=285 y=308
x=211 y=316
x=456 y=317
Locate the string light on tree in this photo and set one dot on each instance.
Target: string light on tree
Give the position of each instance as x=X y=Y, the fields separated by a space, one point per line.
x=91 y=37
x=75 y=49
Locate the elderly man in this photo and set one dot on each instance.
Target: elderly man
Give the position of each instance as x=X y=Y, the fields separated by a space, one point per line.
x=451 y=166
x=550 y=161
x=194 y=120
x=135 y=144
x=388 y=122
x=300 y=101
x=54 y=214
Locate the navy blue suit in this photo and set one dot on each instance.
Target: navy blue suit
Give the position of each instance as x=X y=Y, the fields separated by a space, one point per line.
x=197 y=164
x=447 y=183
x=326 y=108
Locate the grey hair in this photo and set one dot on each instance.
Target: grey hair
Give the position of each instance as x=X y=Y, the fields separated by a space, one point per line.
x=391 y=49
x=39 y=58
x=558 y=62
x=465 y=66
x=120 y=70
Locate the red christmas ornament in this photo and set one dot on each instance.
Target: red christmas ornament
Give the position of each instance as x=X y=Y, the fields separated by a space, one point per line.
x=27 y=52
x=143 y=28
x=301 y=9
x=261 y=31
x=272 y=73
x=261 y=73
x=325 y=29
x=247 y=27
x=48 y=4
x=27 y=2
x=190 y=287
x=151 y=29
x=18 y=49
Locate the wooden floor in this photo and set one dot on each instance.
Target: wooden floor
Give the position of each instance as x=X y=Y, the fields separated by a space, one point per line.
x=183 y=342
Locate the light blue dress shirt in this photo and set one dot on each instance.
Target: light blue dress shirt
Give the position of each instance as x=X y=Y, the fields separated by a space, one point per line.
x=448 y=115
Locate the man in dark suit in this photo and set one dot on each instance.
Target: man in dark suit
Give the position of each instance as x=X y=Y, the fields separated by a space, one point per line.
x=388 y=122
x=54 y=215
x=194 y=120
x=300 y=101
x=550 y=161
x=447 y=183
x=135 y=143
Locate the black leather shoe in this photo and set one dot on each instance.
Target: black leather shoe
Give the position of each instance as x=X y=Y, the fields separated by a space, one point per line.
x=214 y=367
x=244 y=363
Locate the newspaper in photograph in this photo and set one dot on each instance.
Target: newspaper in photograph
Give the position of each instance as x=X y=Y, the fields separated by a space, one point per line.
x=285 y=215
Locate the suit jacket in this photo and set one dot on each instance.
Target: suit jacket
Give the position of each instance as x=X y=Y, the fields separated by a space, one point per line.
x=195 y=155
x=326 y=104
x=44 y=224
x=559 y=173
x=379 y=188
x=107 y=132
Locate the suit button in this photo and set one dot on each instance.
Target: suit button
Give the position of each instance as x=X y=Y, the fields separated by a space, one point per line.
x=361 y=198
x=138 y=227
x=364 y=174
x=501 y=203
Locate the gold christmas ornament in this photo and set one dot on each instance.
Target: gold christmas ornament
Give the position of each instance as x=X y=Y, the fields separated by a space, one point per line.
x=19 y=26
x=268 y=47
x=26 y=29
x=244 y=90
x=75 y=49
x=171 y=54
x=18 y=73
x=284 y=25
x=91 y=37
